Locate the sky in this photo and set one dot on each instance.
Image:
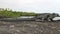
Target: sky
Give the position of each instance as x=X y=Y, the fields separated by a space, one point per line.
x=37 y=6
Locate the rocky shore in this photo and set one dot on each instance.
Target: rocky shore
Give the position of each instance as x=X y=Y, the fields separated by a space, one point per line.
x=29 y=27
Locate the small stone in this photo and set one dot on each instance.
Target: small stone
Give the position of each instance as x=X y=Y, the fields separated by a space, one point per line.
x=16 y=33
x=53 y=27
x=58 y=30
x=18 y=30
x=12 y=26
x=41 y=31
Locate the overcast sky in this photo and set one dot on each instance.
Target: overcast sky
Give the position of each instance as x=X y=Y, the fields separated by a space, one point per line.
x=38 y=6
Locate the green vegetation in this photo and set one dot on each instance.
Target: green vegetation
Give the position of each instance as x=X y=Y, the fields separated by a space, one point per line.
x=9 y=13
